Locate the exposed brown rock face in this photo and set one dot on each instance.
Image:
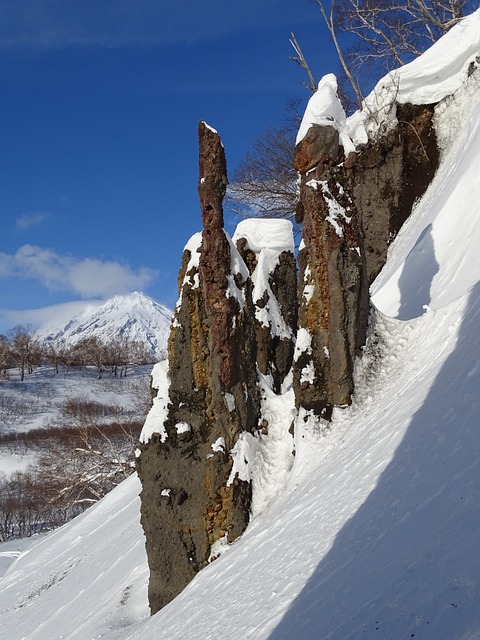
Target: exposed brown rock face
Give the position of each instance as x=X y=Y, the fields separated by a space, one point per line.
x=351 y=212
x=190 y=497
x=319 y=146
x=389 y=175
x=236 y=321
x=333 y=295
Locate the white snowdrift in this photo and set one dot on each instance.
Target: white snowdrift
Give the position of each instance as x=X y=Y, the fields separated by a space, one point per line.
x=440 y=70
x=267 y=238
x=438 y=73
x=86 y=579
x=323 y=108
x=265 y=233
x=435 y=258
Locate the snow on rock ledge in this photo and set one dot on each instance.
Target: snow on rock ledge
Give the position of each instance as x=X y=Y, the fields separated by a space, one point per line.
x=436 y=74
x=323 y=108
x=265 y=233
x=323 y=128
x=266 y=247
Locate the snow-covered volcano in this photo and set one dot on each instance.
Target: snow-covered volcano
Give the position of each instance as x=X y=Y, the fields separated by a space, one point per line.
x=134 y=316
x=374 y=531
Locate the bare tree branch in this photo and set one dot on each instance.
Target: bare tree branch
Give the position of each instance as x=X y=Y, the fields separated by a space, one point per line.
x=329 y=20
x=301 y=61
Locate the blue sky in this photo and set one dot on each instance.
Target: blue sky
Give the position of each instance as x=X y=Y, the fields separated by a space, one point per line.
x=99 y=108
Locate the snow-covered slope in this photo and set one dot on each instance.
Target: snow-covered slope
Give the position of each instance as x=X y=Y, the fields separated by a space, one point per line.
x=97 y=560
x=134 y=316
x=375 y=531
x=435 y=258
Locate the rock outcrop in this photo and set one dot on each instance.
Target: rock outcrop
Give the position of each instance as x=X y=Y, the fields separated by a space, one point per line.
x=319 y=146
x=266 y=246
x=351 y=208
x=192 y=495
x=232 y=340
x=333 y=288
x=333 y=295
x=389 y=174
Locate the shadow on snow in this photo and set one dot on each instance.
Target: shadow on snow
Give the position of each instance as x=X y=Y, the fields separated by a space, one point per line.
x=406 y=564
x=417 y=276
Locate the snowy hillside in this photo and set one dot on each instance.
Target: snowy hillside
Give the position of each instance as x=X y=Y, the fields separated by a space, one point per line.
x=134 y=316
x=374 y=531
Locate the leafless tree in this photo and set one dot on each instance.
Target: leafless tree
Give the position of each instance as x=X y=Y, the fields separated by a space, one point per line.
x=73 y=468
x=95 y=461
x=24 y=349
x=265 y=183
x=54 y=351
x=118 y=355
x=7 y=510
x=330 y=11
x=299 y=58
x=5 y=356
x=140 y=354
x=23 y=505
x=91 y=351
x=121 y=352
x=388 y=33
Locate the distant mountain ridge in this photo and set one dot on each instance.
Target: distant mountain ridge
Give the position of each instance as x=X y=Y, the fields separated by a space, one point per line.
x=134 y=316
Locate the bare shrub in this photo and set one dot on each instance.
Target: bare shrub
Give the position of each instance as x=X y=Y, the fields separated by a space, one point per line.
x=78 y=457
x=84 y=411
x=74 y=468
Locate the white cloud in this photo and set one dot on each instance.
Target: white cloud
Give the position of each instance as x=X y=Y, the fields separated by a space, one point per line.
x=30 y=220
x=96 y=278
x=87 y=277
x=44 y=316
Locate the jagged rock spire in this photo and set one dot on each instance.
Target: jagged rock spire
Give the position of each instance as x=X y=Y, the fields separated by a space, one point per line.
x=208 y=396
x=214 y=263
x=212 y=184
x=351 y=209
x=333 y=294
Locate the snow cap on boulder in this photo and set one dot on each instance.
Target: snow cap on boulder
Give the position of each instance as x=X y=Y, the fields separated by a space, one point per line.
x=323 y=108
x=321 y=131
x=266 y=233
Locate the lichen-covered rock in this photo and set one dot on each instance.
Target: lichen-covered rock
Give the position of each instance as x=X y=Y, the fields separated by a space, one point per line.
x=333 y=295
x=207 y=397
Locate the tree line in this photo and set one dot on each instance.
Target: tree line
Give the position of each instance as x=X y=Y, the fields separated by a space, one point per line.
x=84 y=451
x=22 y=350
x=72 y=469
